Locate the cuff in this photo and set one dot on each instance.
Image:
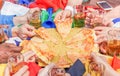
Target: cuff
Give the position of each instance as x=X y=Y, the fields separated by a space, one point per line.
x=71 y=9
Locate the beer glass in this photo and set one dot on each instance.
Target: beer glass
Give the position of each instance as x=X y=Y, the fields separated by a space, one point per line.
x=35 y=20
x=79 y=16
x=96 y=69
x=113 y=42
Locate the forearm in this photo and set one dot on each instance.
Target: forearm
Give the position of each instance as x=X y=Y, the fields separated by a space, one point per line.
x=114 y=13
x=75 y=2
x=20 y=20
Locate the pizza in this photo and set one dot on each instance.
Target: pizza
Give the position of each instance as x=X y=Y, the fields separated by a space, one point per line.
x=78 y=44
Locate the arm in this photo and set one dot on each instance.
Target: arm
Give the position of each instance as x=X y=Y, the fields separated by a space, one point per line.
x=76 y=2
x=114 y=13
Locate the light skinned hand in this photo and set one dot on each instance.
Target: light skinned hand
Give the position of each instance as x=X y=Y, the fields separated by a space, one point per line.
x=45 y=71
x=101 y=33
x=31 y=13
x=23 y=31
x=23 y=71
x=62 y=15
x=93 y=17
x=25 y=19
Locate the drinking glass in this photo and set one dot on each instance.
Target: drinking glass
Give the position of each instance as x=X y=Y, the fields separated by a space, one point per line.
x=79 y=16
x=55 y=71
x=113 y=42
x=35 y=20
x=97 y=69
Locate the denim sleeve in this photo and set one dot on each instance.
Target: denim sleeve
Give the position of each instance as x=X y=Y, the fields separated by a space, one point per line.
x=7 y=20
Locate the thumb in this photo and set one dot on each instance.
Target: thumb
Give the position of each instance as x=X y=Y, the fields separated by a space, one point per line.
x=49 y=67
x=64 y=16
x=7 y=70
x=45 y=71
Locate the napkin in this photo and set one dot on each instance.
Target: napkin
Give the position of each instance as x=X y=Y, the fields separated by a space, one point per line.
x=77 y=69
x=115 y=63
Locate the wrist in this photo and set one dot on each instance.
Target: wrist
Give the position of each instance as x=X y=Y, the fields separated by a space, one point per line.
x=14 y=31
x=71 y=9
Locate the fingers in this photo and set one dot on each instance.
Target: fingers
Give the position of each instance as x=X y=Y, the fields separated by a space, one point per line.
x=28 y=30
x=49 y=67
x=6 y=37
x=58 y=16
x=22 y=71
x=66 y=14
x=103 y=48
x=100 y=39
x=7 y=70
x=31 y=28
x=63 y=15
x=100 y=28
x=28 y=55
x=16 y=49
x=36 y=9
x=93 y=55
x=67 y=74
x=26 y=73
x=45 y=71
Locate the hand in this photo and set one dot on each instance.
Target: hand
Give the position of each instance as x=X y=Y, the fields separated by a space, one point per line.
x=45 y=71
x=103 y=47
x=101 y=33
x=23 y=71
x=32 y=12
x=93 y=16
x=25 y=19
x=63 y=15
x=49 y=71
x=29 y=56
x=23 y=31
x=7 y=50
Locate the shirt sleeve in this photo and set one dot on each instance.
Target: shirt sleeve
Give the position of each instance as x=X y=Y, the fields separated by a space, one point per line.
x=7 y=20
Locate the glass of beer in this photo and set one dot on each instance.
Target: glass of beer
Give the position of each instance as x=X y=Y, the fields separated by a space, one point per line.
x=96 y=69
x=79 y=16
x=2 y=35
x=113 y=42
x=35 y=20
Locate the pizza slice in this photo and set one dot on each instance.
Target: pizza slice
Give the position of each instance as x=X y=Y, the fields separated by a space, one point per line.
x=82 y=34
x=44 y=34
x=64 y=27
